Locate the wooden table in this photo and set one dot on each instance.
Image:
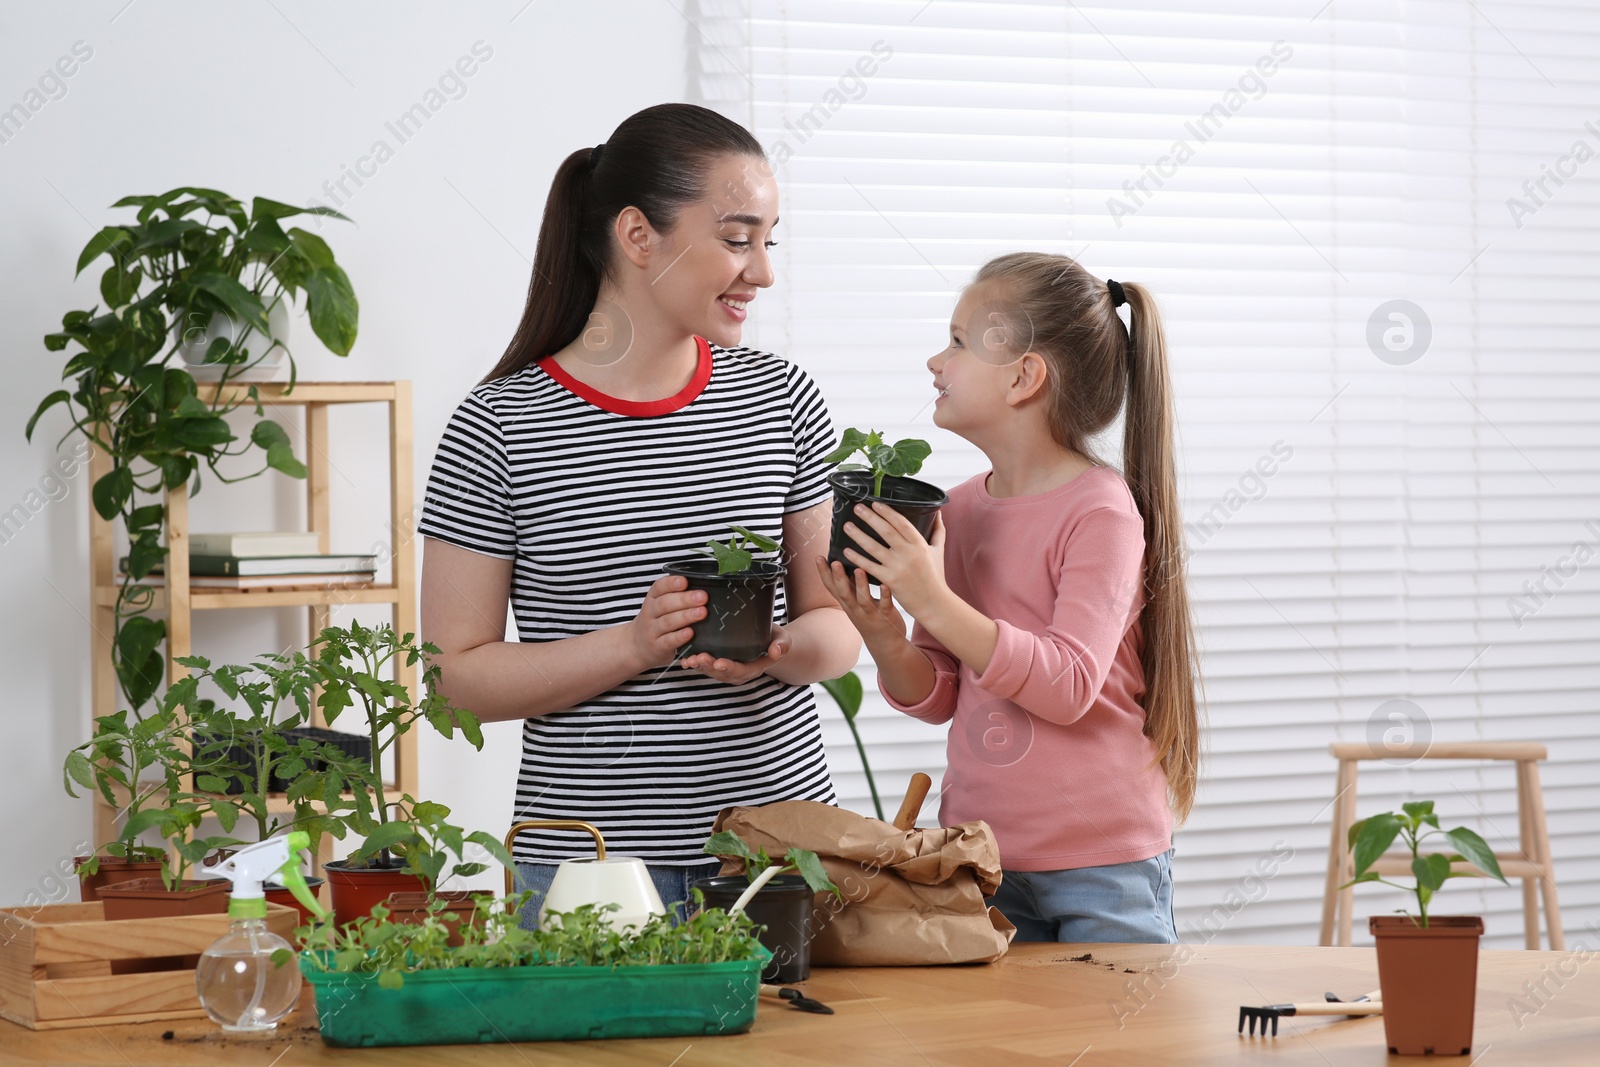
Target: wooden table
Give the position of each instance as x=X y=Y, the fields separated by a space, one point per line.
x=1058 y=1004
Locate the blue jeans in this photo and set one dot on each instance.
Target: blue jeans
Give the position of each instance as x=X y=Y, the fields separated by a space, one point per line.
x=671 y=882
x=1118 y=903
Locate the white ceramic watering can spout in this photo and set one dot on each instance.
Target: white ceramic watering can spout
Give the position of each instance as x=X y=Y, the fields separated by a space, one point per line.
x=620 y=880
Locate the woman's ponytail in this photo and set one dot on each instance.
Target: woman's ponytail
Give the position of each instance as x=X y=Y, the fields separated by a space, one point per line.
x=655 y=161
x=1150 y=466
x=566 y=275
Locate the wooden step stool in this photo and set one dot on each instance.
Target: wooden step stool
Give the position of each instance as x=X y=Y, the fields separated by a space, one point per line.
x=1531 y=862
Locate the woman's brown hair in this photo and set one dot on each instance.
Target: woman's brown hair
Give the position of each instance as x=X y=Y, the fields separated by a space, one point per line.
x=655 y=161
x=1099 y=369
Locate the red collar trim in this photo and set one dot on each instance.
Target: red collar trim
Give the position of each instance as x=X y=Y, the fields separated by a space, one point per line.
x=637 y=408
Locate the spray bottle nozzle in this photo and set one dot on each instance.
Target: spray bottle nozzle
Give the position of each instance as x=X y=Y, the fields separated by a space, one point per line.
x=249 y=867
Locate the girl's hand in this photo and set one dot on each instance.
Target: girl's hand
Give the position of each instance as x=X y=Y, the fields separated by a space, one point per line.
x=912 y=567
x=735 y=673
x=876 y=618
x=665 y=620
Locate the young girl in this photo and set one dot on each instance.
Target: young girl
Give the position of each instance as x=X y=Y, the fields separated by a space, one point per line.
x=624 y=428
x=1052 y=624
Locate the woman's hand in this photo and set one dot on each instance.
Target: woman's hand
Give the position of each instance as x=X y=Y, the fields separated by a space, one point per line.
x=665 y=620
x=876 y=618
x=905 y=563
x=735 y=673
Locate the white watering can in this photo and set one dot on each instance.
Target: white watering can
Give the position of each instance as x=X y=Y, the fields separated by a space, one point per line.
x=601 y=880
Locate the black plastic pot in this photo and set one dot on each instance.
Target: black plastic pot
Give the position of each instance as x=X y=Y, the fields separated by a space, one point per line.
x=783 y=907
x=738 y=622
x=918 y=501
x=246 y=745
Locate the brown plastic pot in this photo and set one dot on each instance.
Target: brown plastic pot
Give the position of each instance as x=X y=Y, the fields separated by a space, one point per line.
x=460 y=907
x=149 y=898
x=281 y=894
x=356 y=889
x=1429 y=978
x=110 y=871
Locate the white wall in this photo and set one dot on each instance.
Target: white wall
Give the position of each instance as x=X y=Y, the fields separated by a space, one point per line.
x=274 y=100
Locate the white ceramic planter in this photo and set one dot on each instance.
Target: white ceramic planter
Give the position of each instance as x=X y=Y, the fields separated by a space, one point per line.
x=273 y=366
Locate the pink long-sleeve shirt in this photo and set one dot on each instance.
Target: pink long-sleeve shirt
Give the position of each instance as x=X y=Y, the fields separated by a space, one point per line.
x=1047 y=744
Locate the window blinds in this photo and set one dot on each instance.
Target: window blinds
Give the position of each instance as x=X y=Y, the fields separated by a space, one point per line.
x=1370 y=228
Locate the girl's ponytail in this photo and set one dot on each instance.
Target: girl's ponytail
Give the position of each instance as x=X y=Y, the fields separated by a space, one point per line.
x=1098 y=370
x=1150 y=466
x=655 y=161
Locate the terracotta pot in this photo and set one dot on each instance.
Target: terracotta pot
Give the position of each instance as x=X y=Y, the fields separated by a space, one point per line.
x=280 y=894
x=112 y=870
x=460 y=907
x=149 y=898
x=1429 y=979
x=356 y=889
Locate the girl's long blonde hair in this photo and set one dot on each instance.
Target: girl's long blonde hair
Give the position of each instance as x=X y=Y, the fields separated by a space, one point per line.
x=1099 y=369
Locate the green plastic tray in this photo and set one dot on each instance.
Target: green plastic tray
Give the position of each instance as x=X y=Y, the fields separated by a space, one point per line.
x=493 y=1004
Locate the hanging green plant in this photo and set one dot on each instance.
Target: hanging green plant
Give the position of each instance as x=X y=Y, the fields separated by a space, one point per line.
x=193 y=267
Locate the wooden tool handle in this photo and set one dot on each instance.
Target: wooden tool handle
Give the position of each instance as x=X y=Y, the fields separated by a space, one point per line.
x=1348 y=1007
x=911 y=807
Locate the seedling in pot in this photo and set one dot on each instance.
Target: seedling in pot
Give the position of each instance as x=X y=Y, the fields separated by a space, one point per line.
x=734 y=556
x=885 y=478
x=1371 y=837
x=801 y=861
x=741 y=592
x=901 y=459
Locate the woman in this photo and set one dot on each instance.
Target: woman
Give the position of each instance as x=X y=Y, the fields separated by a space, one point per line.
x=622 y=429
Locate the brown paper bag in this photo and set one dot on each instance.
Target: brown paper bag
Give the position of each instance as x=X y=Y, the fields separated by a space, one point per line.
x=911 y=897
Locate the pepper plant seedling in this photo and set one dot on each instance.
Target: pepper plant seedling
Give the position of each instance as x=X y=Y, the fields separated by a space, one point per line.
x=735 y=555
x=901 y=459
x=1371 y=837
x=802 y=861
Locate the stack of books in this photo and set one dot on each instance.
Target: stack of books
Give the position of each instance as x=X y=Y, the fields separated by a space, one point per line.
x=273 y=560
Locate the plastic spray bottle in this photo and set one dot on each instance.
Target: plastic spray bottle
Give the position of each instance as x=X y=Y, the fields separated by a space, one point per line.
x=238 y=984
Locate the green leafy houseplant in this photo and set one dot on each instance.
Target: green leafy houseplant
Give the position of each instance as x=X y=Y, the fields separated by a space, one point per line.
x=189 y=256
x=847 y=692
x=735 y=556
x=1370 y=838
x=901 y=459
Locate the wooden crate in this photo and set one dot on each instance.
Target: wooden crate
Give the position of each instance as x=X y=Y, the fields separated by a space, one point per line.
x=55 y=964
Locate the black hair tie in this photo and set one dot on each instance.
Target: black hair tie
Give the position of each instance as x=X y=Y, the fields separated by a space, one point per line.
x=594 y=154
x=1118 y=296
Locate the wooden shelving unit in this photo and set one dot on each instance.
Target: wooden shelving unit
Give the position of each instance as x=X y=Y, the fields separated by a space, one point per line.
x=179 y=602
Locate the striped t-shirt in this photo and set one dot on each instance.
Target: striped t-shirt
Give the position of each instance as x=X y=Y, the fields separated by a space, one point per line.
x=590 y=495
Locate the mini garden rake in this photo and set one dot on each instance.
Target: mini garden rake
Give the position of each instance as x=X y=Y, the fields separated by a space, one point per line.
x=1371 y=1004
